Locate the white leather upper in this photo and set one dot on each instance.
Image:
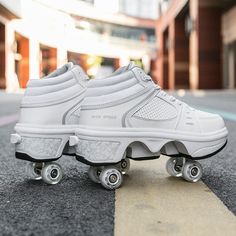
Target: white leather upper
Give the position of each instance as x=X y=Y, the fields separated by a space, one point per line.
x=55 y=98
x=129 y=98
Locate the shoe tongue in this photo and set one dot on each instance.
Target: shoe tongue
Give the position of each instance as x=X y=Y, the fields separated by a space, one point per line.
x=69 y=65
x=130 y=66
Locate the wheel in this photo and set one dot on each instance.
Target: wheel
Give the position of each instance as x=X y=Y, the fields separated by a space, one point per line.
x=51 y=173
x=94 y=173
x=174 y=166
x=34 y=170
x=111 y=178
x=192 y=171
x=124 y=165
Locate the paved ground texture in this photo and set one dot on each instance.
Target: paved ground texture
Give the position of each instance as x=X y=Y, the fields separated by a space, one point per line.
x=76 y=206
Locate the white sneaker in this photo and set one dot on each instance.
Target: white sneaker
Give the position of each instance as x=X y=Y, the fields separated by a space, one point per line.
x=127 y=115
x=49 y=115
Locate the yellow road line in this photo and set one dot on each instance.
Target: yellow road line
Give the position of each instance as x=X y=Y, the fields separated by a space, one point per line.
x=152 y=203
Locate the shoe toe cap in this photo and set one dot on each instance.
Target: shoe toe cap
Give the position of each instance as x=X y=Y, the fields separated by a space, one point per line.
x=210 y=122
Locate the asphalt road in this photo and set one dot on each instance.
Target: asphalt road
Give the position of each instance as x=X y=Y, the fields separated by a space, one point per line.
x=76 y=206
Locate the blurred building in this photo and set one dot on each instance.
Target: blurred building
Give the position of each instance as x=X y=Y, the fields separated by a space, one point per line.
x=196 y=44
x=36 y=36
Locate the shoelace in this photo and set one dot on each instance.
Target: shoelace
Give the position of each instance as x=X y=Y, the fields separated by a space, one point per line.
x=166 y=95
x=147 y=78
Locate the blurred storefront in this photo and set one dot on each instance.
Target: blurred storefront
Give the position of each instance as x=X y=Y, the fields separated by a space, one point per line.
x=36 y=36
x=196 y=44
x=192 y=45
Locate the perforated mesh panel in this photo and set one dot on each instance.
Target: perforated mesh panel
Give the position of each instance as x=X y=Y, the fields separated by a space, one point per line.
x=157 y=109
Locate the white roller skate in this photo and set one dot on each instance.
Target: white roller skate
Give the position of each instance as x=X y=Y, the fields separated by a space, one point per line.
x=127 y=116
x=49 y=115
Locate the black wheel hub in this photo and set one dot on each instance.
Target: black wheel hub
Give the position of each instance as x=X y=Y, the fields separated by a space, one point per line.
x=113 y=178
x=123 y=164
x=177 y=168
x=37 y=171
x=194 y=171
x=98 y=172
x=54 y=173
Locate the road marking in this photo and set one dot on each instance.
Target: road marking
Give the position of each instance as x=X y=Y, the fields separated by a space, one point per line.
x=227 y=115
x=152 y=203
x=6 y=120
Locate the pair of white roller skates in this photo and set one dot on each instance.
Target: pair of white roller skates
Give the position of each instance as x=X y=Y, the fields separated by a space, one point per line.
x=105 y=122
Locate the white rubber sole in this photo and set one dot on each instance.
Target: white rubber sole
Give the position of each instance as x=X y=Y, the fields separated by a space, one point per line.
x=41 y=143
x=109 y=145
